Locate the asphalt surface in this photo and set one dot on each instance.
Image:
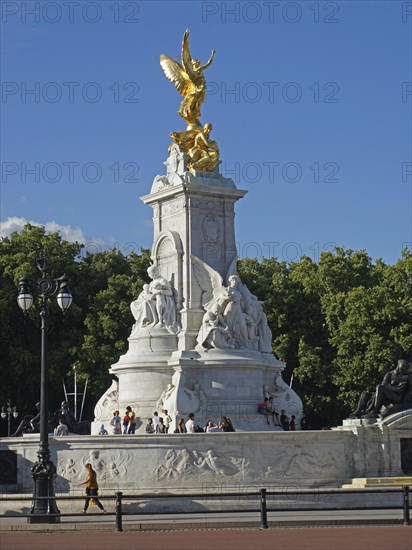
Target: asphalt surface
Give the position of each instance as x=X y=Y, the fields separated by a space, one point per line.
x=316 y=538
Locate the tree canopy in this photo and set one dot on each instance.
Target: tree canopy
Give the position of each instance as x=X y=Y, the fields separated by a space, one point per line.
x=340 y=324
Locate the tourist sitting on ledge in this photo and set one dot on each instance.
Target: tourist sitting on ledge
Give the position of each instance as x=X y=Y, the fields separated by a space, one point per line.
x=211 y=427
x=149 y=428
x=161 y=428
x=180 y=428
x=284 y=420
x=191 y=426
x=271 y=410
x=61 y=428
x=263 y=409
x=226 y=425
x=103 y=430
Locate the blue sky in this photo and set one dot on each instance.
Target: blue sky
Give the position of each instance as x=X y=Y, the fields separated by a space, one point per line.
x=310 y=103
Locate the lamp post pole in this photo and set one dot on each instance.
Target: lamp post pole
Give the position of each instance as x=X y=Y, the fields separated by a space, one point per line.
x=44 y=508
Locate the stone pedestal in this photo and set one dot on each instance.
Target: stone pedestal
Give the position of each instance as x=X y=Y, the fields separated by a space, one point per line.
x=193 y=215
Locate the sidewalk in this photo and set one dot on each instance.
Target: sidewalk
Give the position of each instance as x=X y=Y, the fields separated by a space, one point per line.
x=218 y=520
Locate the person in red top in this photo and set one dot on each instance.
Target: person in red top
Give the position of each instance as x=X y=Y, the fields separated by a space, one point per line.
x=263 y=409
x=126 y=420
x=91 y=489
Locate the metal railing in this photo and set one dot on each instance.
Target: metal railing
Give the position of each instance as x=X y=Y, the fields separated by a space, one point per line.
x=262 y=494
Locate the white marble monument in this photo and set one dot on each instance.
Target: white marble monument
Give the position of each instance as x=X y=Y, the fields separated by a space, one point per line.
x=201 y=341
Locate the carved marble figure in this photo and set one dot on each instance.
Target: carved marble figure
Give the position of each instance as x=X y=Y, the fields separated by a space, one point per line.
x=164 y=398
x=144 y=309
x=108 y=402
x=240 y=310
x=233 y=313
x=265 y=335
x=214 y=332
x=162 y=292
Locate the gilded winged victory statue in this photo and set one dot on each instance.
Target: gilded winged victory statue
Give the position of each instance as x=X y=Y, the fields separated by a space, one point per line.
x=191 y=84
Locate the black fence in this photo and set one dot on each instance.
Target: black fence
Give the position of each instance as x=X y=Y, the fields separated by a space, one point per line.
x=260 y=496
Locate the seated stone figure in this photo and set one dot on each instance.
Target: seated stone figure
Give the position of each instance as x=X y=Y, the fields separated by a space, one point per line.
x=214 y=332
x=395 y=389
x=161 y=292
x=144 y=309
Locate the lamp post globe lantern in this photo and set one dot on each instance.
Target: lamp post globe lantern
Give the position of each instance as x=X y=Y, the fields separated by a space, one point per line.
x=24 y=297
x=64 y=297
x=44 y=508
x=7 y=412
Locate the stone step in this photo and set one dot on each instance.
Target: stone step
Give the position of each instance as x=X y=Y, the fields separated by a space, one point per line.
x=363 y=482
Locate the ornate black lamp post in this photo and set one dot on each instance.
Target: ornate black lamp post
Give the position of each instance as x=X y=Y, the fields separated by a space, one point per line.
x=8 y=412
x=44 y=471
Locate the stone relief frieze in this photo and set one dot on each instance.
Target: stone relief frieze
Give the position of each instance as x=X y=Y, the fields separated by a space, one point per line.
x=109 y=465
x=180 y=399
x=172 y=207
x=210 y=228
x=179 y=463
x=204 y=204
x=159 y=183
x=108 y=402
x=277 y=388
x=299 y=461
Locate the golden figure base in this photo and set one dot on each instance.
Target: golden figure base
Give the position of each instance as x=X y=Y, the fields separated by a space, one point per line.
x=195 y=143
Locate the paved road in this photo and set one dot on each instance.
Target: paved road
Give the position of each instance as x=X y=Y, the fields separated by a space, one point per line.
x=316 y=538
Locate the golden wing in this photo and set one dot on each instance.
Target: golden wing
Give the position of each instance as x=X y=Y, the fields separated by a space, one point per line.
x=176 y=74
x=187 y=58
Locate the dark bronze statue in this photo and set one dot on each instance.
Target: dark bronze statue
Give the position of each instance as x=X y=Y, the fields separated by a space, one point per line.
x=392 y=395
x=64 y=413
x=31 y=423
x=67 y=416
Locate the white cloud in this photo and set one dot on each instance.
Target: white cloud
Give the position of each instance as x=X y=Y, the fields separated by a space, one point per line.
x=71 y=234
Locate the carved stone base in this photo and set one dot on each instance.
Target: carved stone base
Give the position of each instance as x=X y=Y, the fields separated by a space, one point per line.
x=220 y=462
x=211 y=384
